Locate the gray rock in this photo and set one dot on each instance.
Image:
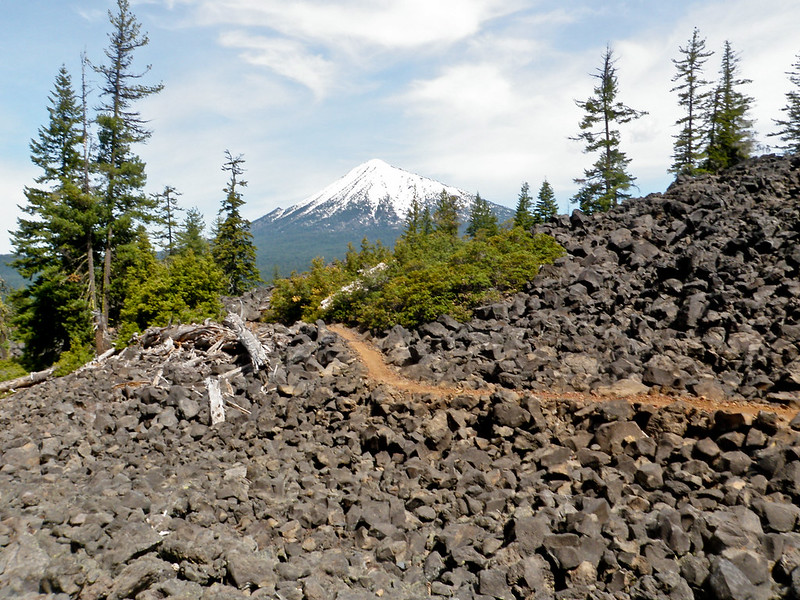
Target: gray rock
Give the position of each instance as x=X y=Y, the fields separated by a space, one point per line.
x=23 y=564
x=650 y=476
x=492 y=583
x=727 y=582
x=529 y=532
x=780 y=516
x=249 y=570
x=510 y=415
x=140 y=575
x=25 y=457
x=612 y=438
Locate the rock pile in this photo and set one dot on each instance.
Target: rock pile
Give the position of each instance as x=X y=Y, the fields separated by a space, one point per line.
x=322 y=485
x=696 y=290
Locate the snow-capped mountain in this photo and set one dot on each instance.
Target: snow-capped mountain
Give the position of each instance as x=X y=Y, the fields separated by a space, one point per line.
x=371 y=201
x=373 y=193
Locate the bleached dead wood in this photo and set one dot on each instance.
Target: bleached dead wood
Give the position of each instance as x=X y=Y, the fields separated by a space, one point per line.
x=215 y=401
x=26 y=381
x=258 y=354
x=202 y=336
x=239 y=408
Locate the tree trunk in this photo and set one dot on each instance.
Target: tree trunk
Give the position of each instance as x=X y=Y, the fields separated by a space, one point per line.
x=216 y=405
x=101 y=337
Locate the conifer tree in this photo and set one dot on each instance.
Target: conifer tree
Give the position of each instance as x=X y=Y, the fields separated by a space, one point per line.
x=790 y=125
x=91 y=206
x=190 y=236
x=413 y=223
x=53 y=312
x=730 y=139
x=426 y=226
x=693 y=97
x=523 y=216
x=183 y=288
x=233 y=248
x=445 y=215
x=608 y=181
x=546 y=206
x=167 y=210
x=120 y=127
x=481 y=218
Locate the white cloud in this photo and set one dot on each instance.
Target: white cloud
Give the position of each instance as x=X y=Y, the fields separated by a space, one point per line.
x=479 y=93
x=497 y=118
x=398 y=24
x=287 y=58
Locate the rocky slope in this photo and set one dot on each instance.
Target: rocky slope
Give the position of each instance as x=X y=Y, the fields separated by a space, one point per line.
x=693 y=291
x=321 y=484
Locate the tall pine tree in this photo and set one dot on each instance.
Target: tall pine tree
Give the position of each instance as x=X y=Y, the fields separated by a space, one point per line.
x=445 y=215
x=481 y=219
x=693 y=97
x=120 y=128
x=790 y=125
x=413 y=223
x=166 y=216
x=546 y=206
x=523 y=216
x=233 y=248
x=53 y=313
x=190 y=235
x=608 y=181
x=730 y=139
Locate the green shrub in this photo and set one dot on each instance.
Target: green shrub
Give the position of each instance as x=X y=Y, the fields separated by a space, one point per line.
x=426 y=276
x=72 y=359
x=183 y=289
x=11 y=369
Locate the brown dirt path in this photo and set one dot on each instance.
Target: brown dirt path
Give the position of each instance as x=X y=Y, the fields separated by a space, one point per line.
x=381 y=373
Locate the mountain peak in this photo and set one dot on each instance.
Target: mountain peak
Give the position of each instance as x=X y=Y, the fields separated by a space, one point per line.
x=371 y=200
x=373 y=193
x=374 y=163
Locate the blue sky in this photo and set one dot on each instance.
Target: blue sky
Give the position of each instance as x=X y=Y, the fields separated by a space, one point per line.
x=476 y=93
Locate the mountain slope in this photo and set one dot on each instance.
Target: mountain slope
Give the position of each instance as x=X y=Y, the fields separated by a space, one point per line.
x=372 y=201
x=11 y=279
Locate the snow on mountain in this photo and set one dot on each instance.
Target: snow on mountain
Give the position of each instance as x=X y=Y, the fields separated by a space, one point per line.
x=371 y=202
x=373 y=193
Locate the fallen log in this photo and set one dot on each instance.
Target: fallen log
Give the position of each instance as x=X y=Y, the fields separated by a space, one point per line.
x=26 y=381
x=256 y=350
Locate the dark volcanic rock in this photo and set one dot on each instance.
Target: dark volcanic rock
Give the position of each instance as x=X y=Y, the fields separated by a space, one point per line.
x=692 y=290
x=323 y=484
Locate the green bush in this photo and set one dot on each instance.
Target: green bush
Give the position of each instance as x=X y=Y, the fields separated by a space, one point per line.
x=426 y=276
x=183 y=289
x=74 y=358
x=11 y=369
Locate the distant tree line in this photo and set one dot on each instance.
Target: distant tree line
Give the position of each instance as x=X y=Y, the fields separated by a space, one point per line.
x=103 y=257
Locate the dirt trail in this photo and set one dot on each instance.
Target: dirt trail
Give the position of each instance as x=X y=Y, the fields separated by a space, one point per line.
x=381 y=373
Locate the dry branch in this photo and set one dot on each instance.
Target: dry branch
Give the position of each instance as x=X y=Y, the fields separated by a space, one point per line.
x=26 y=381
